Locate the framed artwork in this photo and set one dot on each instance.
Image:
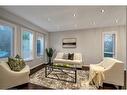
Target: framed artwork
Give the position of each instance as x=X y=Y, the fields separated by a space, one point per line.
x=69 y=43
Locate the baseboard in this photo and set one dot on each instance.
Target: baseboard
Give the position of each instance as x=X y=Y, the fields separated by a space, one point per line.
x=35 y=69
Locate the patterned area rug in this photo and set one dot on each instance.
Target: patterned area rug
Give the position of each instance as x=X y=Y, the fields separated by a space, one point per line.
x=82 y=79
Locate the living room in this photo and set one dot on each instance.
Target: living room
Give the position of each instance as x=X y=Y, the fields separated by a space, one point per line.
x=93 y=32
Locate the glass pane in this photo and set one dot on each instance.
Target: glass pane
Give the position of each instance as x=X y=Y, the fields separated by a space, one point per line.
x=6 y=41
x=109 y=45
x=27 y=45
x=40 y=46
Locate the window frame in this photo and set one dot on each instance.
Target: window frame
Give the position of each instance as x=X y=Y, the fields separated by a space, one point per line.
x=40 y=35
x=28 y=30
x=13 y=46
x=115 y=50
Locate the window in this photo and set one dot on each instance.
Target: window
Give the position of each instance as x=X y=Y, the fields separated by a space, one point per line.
x=27 y=45
x=6 y=40
x=40 y=45
x=109 y=44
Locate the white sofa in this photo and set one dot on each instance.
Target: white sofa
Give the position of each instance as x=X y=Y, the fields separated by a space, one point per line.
x=113 y=71
x=9 y=78
x=77 y=61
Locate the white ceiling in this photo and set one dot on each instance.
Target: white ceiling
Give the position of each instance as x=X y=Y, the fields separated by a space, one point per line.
x=61 y=18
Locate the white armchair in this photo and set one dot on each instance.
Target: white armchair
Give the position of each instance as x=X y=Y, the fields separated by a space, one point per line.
x=113 y=71
x=77 y=59
x=9 y=78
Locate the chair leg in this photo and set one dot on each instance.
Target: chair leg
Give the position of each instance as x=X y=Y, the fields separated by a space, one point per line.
x=119 y=87
x=101 y=87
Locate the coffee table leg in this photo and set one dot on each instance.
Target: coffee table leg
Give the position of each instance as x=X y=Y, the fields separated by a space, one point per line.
x=46 y=71
x=75 y=76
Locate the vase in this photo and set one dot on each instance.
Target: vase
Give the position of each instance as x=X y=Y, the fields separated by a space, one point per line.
x=49 y=60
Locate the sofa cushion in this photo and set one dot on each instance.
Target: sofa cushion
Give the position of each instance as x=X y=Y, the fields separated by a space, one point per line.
x=67 y=61
x=16 y=64
x=59 y=55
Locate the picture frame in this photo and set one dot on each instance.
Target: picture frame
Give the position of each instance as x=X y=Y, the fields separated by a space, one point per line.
x=69 y=43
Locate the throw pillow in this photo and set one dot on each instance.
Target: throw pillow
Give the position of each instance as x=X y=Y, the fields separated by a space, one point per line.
x=18 y=57
x=71 y=56
x=16 y=64
x=21 y=61
x=65 y=56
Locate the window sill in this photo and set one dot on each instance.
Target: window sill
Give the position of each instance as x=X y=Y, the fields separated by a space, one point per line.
x=4 y=59
x=28 y=60
x=38 y=57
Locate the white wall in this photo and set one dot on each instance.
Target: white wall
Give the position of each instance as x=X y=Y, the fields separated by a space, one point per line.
x=19 y=23
x=89 y=43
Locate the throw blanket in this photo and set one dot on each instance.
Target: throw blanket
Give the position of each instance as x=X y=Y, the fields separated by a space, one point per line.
x=96 y=75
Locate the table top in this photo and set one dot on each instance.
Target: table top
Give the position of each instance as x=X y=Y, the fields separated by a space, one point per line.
x=65 y=66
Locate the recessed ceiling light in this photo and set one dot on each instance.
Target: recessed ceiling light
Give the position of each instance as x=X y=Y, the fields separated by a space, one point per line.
x=102 y=10
x=58 y=27
x=75 y=25
x=49 y=19
x=74 y=15
x=116 y=20
x=94 y=22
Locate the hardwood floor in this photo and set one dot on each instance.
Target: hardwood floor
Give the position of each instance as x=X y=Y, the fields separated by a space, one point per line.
x=34 y=86
x=30 y=86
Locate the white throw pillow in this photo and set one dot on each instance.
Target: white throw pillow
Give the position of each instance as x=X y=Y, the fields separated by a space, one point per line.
x=65 y=56
x=59 y=55
x=77 y=56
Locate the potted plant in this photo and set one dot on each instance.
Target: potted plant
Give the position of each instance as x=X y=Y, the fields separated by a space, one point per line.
x=49 y=52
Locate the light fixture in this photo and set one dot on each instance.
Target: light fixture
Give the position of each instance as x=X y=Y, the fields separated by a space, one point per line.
x=58 y=27
x=49 y=19
x=75 y=25
x=74 y=15
x=102 y=11
x=94 y=23
x=116 y=20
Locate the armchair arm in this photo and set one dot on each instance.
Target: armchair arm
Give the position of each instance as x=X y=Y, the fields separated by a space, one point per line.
x=115 y=74
x=11 y=78
x=5 y=70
